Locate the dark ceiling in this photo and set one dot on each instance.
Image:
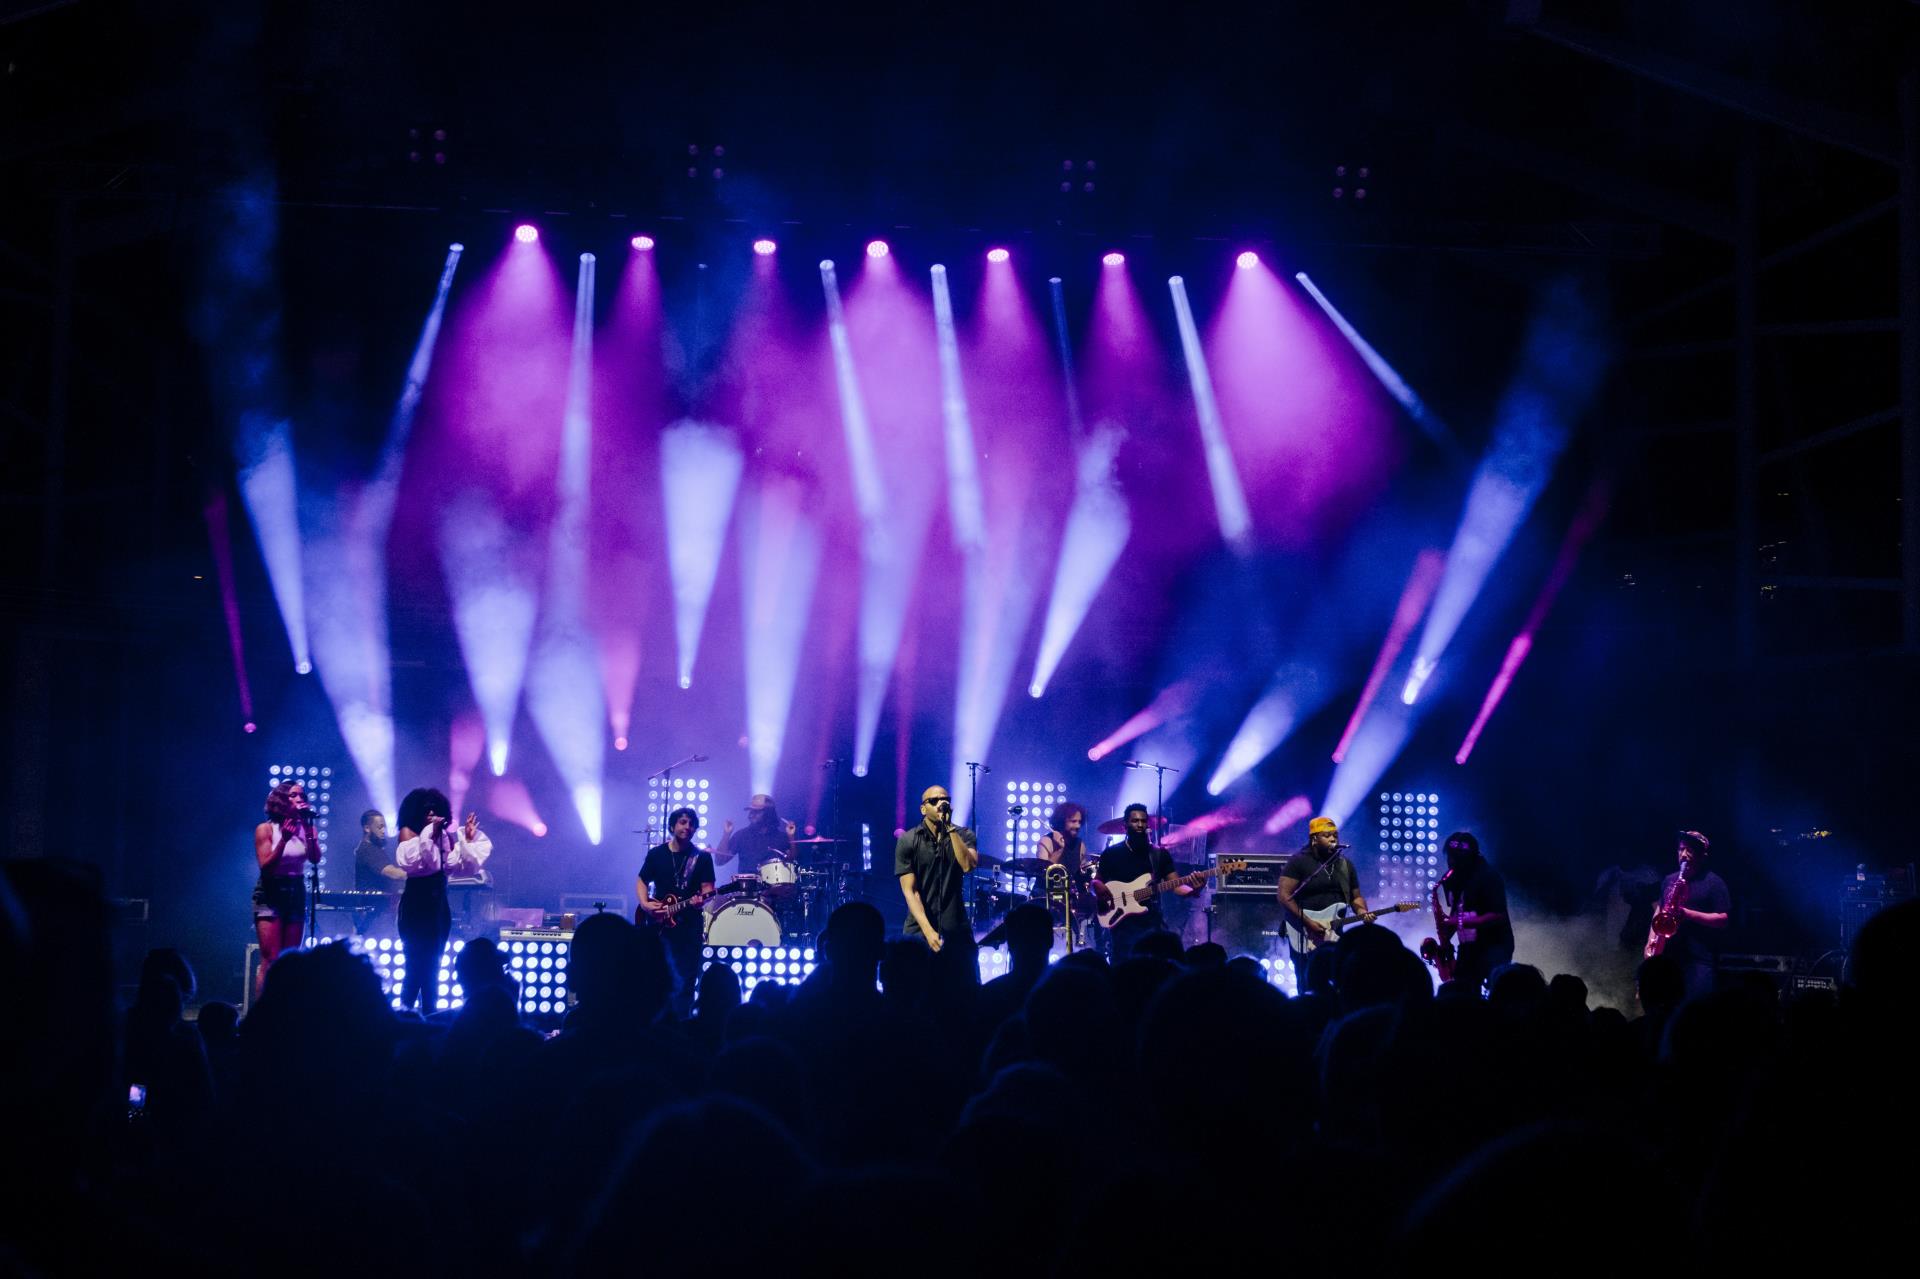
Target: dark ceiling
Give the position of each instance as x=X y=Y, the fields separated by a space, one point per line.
x=1504 y=142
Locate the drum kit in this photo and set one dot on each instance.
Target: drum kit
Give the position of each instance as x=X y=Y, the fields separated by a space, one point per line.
x=786 y=896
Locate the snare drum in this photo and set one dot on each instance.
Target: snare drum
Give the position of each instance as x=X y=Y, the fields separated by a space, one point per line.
x=778 y=876
x=732 y=921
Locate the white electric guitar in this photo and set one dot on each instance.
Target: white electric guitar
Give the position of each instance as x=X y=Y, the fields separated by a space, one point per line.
x=1335 y=919
x=1115 y=902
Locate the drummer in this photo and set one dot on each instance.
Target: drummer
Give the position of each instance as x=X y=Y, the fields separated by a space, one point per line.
x=765 y=839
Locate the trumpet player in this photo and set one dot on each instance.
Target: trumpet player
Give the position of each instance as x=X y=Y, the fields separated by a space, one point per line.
x=1694 y=904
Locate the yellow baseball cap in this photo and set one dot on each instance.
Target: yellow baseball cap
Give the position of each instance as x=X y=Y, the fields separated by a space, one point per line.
x=1322 y=826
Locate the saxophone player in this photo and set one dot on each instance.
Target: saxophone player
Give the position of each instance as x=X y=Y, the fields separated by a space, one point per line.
x=1694 y=904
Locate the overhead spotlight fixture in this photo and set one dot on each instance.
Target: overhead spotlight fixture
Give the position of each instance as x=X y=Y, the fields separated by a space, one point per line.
x=1115 y=259
x=998 y=255
x=456 y=248
x=587 y=258
x=644 y=243
x=1248 y=260
x=303 y=668
x=526 y=233
x=764 y=248
x=877 y=248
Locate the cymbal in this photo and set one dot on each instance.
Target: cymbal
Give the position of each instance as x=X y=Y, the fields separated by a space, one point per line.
x=988 y=859
x=1027 y=865
x=818 y=839
x=1118 y=825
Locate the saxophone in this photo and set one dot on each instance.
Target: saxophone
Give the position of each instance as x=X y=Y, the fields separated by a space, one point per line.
x=1438 y=950
x=1666 y=919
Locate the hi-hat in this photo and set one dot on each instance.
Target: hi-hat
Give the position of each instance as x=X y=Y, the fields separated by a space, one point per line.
x=1118 y=825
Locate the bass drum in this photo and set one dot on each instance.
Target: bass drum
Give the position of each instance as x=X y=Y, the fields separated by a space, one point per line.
x=732 y=922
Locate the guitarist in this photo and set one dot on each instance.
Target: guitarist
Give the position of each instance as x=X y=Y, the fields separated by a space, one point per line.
x=1136 y=855
x=1314 y=878
x=1476 y=901
x=678 y=871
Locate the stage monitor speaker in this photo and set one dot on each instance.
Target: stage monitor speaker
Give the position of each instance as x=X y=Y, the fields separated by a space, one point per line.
x=1246 y=925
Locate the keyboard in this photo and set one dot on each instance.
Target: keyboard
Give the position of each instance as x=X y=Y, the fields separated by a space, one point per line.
x=352 y=899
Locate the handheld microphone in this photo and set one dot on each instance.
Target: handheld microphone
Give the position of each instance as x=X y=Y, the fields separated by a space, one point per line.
x=1014 y=810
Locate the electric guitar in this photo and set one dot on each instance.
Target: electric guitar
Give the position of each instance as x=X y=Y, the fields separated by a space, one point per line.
x=1115 y=902
x=675 y=905
x=1335 y=920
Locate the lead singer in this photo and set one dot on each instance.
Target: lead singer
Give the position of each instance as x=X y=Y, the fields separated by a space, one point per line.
x=932 y=862
x=428 y=850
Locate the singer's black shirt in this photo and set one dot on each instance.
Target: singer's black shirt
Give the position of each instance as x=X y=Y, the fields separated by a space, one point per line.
x=937 y=877
x=1333 y=886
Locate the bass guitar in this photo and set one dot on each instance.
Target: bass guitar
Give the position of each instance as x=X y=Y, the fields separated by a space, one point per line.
x=1115 y=902
x=670 y=917
x=1336 y=920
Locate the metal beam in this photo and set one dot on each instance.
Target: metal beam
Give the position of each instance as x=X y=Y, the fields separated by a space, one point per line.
x=1831 y=328
x=1802 y=329
x=1787 y=253
x=1746 y=377
x=1697 y=216
x=1857 y=134
x=1679 y=429
x=1836 y=583
x=1832 y=434
x=1909 y=269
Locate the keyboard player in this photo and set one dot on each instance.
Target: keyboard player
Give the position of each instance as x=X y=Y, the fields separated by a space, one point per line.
x=374 y=871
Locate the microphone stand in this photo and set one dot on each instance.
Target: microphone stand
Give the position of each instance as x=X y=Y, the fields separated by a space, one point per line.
x=665 y=774
x=1305 y=934
x=1160 y=772
x=312 y=841
x=973 y=773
